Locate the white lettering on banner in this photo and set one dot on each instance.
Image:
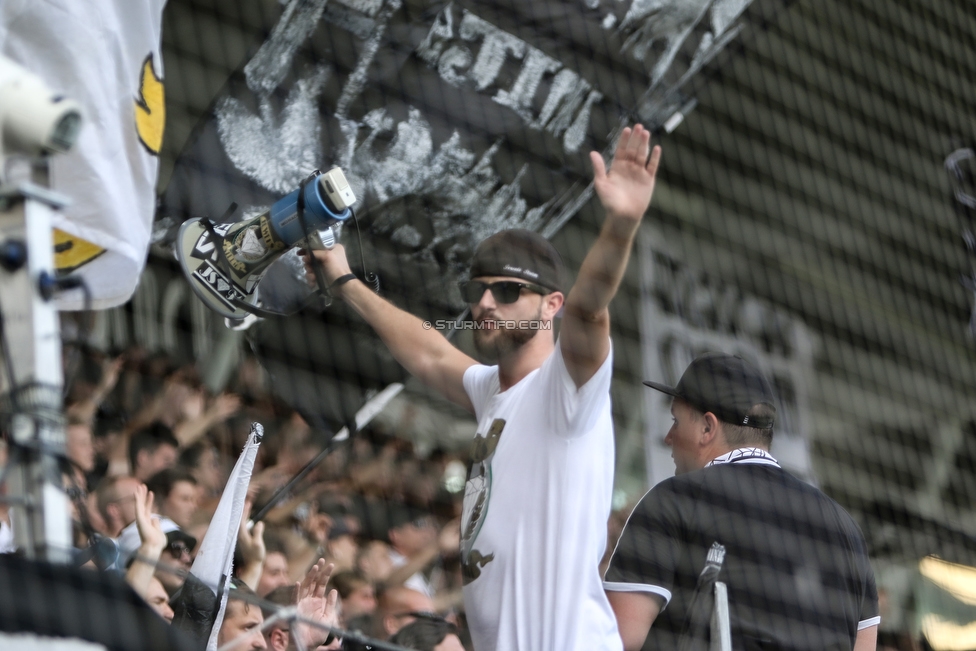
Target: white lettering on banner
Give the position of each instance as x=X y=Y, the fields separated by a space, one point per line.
x=566 y=110
x=496 y=45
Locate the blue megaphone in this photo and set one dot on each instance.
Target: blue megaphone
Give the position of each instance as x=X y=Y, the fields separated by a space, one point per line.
x=224 y=263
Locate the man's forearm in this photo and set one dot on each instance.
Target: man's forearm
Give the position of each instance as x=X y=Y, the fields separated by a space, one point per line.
x=603 y=268
x=251 y=574
x=417 y=348
x=143 y=567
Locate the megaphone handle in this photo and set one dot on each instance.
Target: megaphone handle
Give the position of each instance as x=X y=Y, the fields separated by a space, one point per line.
x=311 y=239
x=320 y=279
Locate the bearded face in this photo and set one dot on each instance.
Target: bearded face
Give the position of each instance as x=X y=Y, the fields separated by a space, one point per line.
x=494 y=343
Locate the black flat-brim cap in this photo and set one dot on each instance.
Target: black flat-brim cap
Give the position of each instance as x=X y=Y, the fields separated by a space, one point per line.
x=726 y=385
x=520 y=253
x=182 y=536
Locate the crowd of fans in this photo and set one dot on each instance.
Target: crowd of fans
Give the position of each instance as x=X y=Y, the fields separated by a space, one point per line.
x=149 y=450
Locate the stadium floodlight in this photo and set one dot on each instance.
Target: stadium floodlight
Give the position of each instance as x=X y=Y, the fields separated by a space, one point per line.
x=34 y=120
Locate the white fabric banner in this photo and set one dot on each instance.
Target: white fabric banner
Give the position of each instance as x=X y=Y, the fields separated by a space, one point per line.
x=105 y=54
x=215 y=559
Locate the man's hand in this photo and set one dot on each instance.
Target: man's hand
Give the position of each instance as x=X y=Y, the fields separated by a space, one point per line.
x=150 y=532
x=111 y=368
x=314 y=605
x=140 y=573
x=251 y=543
x=224 y=406
x=625 y=191
x=333 y=262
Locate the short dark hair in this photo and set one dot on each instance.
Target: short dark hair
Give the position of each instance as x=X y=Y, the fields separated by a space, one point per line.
x=348 y=582
x=240 y=591
x=424 y=633
x=162 y=483
x=740 y=435
x=285 y=595
x=274 y=543
x=149 y=439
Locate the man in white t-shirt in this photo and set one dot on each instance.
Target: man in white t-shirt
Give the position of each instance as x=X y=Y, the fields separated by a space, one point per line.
x=538 y=495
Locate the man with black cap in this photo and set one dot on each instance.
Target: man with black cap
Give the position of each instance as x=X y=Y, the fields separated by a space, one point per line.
x=796 y=565
x=538 y=495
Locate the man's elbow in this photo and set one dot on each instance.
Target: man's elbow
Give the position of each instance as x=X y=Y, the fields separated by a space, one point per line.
x=586 y=314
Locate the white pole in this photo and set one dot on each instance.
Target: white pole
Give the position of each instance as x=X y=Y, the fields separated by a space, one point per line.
x=31 y=378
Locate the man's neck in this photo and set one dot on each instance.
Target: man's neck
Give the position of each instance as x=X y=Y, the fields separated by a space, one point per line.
x=513 y=367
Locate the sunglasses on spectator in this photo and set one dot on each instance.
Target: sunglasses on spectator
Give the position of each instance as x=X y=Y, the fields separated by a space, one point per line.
x=177 y=548
x=504 y=291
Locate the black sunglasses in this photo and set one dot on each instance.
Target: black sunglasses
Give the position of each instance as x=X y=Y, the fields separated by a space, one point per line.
x=504 y=291
x=177 y=548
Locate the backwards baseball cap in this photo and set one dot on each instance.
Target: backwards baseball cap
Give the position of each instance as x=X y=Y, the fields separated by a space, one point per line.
x=726 y=385
x=520 y=253
x=176 y=535
x=129 y=540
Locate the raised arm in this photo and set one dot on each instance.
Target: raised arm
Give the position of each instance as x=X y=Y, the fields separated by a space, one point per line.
x=153 y=541
x=625 y=192
x=424 y=352
x=317 y=606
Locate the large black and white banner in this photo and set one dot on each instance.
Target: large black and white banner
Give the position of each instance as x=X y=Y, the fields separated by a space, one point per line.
x=452 y=120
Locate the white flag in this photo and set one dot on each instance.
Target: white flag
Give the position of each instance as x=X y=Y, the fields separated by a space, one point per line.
x=104 y=54
x=215 y=559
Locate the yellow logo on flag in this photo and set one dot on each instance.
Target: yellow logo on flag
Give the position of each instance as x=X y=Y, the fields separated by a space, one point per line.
x=71 y=252
x=150 y=108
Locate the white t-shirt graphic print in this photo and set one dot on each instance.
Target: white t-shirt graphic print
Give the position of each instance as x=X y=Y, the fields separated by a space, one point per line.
x=535 y=511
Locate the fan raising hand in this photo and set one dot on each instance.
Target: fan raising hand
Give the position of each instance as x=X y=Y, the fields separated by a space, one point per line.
x=625 y=191
x=315 y=605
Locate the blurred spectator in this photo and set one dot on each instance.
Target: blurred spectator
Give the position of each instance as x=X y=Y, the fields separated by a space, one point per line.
x=429 y=634
x=278 y=635
x=84 y=410
x=196 y=422
x=342 y=548
x=155 y=419
x=176 y=557
x=80 y=448
x=249 y=555
x=411 y=534
x=152 y=540
x=115 y=498
x=243 y=620
x=398 y=606
x=374 y=561
x=415 y=544
x=274 y=573
x=202 y=461
x=158 y=600
x=356 y=594
x=151 y=450
x=177 y=495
